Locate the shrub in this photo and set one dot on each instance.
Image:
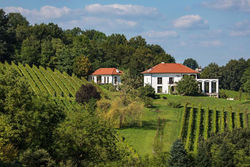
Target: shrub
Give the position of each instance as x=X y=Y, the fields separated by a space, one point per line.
x=188 y=86
x=147 y=91
x=87 y=92
x=37 y=158
x=222 y=94
x=110 y=87
x=104 y=105
x=148 y=102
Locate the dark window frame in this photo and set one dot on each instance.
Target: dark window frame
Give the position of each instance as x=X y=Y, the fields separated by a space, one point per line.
x=159 y=80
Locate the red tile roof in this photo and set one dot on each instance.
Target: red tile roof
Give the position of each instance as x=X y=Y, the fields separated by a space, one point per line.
x=169 y=68
x=107 y=71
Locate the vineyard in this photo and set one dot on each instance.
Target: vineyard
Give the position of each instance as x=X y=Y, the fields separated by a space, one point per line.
x=60 y=86
x=198 y=123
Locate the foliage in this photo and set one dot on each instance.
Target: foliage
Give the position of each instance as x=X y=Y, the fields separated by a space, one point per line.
x=124 y=113
x=87 y=140
x=26 y=121
x=187 y=86
x=178 y=155
x=232 y=73
x=198 y=129
x=212 y=71
x=245 y=79
x=146 y=90
x=190 y=129
x=36 y=158
x=226 y=149
x=191 y=63
x=87 y=92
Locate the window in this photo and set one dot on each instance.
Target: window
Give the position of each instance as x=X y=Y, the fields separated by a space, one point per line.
x=159 y=80
x=171 y=80
x=104 y=79
x=107 y=79
x=99 y=79
x=115 y=80
x=159 y=89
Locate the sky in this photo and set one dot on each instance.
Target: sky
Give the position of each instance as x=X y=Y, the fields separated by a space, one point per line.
x=205 y=30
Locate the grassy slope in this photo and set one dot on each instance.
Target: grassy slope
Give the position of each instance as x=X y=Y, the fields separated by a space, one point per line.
x=142 y=139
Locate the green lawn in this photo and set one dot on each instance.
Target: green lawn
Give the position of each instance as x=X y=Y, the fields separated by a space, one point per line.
x=142 y=138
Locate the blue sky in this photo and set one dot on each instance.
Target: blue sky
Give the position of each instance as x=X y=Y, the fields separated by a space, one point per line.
x=206 y=30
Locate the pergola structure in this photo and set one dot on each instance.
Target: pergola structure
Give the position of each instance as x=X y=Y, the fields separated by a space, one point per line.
x=209 y=86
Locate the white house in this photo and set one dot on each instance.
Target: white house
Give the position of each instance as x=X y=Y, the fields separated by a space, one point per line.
x=164 y=76
x=106 y=76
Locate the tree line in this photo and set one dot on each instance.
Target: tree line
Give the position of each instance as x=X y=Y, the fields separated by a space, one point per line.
x=74 y=50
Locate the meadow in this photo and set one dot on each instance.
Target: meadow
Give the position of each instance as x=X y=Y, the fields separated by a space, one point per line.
x=170 y=108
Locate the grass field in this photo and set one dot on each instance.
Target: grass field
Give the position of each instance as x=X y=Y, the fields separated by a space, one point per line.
x=142 y=138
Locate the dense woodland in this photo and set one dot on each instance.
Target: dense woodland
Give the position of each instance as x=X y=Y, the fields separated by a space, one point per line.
x=83 y=51
x=48 y=118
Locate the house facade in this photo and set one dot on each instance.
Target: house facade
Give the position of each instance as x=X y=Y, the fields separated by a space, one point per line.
x=165 y=76
x=106 y=76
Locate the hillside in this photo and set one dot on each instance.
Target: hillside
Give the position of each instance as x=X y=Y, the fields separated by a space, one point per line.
x=59 y=86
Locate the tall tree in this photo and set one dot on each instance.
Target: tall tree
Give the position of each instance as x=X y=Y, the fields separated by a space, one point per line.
x=30 y=51
x=232 y=73
x=178 y=155
x=212 y=71
x=191 y=63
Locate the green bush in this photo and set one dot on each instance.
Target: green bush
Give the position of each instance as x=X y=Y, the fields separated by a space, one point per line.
x=188 y=86
x=87 y=92
x=147 y=91
x=109 y=87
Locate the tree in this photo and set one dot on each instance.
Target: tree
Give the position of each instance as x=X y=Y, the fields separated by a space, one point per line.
x=178 y=155
x=191 y=63
x=87 y=92
x=26 y=121
x=225 y=149
x=87 y=140
x=30 y=51
x=245 y=79
x=37 y=158
x=188 y=86
x=147 y=91
x=6 y=39
x=81 y=66
x=212 y=71
x=232 y=73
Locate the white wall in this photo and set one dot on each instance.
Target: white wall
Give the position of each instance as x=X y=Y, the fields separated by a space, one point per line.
x=151 y=79
x=105 y=79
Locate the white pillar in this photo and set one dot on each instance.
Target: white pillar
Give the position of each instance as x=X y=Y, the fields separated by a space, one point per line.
x=210 y=86
x=217 y=86
x=203 y=86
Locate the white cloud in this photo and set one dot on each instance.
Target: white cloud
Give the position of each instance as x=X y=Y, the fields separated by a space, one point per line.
x=241 y=29
x=161 y=34
x=102 y=24
x=46 y=12
x=240 y=5
x=113 y=17
x=191 y=22
x=121 y=10
x=214 y=43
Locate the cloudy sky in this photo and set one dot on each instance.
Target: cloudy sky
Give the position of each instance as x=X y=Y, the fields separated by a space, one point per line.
x=206 y=30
